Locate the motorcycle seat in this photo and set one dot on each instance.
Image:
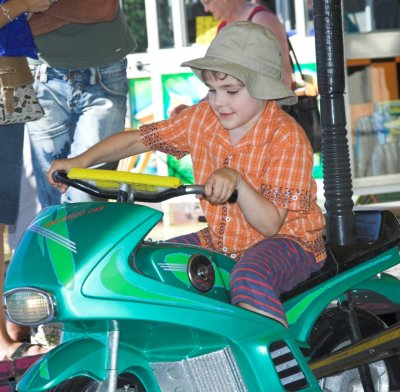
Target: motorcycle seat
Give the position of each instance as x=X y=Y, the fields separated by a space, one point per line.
x=376 y=232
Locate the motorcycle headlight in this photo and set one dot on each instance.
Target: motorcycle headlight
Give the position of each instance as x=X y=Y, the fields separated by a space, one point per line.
x=29 y=306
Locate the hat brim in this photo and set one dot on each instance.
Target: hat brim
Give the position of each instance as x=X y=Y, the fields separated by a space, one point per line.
x=259 y=85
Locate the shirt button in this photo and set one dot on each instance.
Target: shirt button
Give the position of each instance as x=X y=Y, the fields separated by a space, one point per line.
x=228 y=219
x=230 y=156
x=224 y=248
x=233 y=256
x=294 y=197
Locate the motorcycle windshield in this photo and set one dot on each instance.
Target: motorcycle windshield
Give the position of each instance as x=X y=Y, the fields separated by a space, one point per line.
x=64 y=242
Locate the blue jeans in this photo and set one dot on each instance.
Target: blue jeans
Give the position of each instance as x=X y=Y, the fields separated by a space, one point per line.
x=11 y=146
x=81 y=107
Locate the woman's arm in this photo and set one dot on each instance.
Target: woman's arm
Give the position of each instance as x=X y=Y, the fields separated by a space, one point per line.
x=14 y=8
x=65 y=12
x=84 y=11
x=42 y=23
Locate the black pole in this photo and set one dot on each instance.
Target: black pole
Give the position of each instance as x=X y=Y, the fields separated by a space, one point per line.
x=355 y=336
x=340 y=227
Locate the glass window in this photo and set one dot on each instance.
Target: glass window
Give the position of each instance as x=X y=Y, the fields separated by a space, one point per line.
x=357 y=17
x=371 y=15
x=136 y=16
x=386 y=14
x=196 y=18
x=362 y=16
x=165 y=28
x=135 y=12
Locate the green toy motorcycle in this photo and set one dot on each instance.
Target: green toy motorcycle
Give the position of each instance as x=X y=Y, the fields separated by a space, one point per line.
x=151 y=316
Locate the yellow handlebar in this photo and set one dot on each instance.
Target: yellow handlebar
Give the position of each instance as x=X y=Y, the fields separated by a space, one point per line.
x=113 y=179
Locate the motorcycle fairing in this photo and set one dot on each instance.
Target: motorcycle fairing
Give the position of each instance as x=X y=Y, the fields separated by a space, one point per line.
x=63 y=243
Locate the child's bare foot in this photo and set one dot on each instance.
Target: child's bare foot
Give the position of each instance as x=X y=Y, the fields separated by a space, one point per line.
x=17 y=350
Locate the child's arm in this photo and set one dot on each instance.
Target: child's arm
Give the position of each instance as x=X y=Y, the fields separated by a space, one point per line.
x=111 y=149
x=259 y=212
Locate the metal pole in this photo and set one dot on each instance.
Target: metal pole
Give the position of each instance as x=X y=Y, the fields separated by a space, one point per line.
x=355 y=335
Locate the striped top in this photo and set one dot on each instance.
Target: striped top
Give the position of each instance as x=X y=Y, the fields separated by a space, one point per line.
x=275 y=158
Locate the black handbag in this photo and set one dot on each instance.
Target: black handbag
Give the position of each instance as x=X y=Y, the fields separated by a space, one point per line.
x=306 y=112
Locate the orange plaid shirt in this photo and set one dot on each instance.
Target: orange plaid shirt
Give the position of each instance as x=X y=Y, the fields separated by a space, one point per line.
x=275 y=158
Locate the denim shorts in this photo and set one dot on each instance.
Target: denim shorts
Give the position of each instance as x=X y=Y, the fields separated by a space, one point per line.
x=82 y=107
x=11 y=147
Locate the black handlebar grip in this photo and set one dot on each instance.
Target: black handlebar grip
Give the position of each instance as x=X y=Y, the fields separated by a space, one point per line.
x=233 y=197
x=59 y=176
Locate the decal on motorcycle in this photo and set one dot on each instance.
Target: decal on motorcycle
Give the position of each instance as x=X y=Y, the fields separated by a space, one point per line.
x=75 y=215
x=51 y=235
x=173 y=267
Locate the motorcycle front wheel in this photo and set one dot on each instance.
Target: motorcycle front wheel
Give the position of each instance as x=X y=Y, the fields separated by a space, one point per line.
x=126 y=383
x=331 y=333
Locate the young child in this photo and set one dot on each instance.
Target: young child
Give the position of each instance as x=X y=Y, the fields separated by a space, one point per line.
x=240 y=139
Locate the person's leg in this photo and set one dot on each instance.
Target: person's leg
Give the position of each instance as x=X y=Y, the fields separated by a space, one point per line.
x=11 y=145
x=269 y=268
x=5 y=341
x=28 y=207
x=28 y=203
x=9 y=346
x=52 y=135
x=99 y=97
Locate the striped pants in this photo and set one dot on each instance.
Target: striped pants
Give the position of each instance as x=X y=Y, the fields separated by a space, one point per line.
x=266 y=270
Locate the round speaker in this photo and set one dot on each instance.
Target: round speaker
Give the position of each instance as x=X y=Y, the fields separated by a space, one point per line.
x=201 y=273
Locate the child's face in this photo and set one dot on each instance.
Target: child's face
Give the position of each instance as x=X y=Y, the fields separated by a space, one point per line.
x=232 y=104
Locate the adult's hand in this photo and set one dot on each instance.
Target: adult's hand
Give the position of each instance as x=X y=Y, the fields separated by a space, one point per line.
x=14 y=8
x=34 y=6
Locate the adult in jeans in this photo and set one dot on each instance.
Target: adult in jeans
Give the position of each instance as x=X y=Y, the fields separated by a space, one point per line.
x=81 y=82
x=11 y=146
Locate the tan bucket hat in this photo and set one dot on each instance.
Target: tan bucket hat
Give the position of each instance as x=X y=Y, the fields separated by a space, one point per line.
x=252 y=54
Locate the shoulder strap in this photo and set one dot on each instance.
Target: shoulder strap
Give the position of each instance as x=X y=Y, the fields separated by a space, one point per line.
x=221 y=26
x=255 y=10
x=259 y=8
x=291 y=50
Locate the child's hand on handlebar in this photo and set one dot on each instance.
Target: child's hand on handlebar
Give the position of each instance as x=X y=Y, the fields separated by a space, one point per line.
x=63 y=165
x=221 y=184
